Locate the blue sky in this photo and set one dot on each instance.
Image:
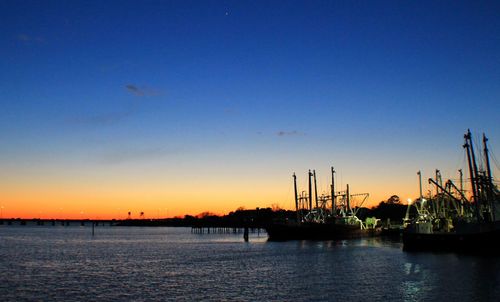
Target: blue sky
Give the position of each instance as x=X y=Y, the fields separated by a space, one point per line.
x=250 y=87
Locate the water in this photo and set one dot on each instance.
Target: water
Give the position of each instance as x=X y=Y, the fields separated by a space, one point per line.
x=53 y=263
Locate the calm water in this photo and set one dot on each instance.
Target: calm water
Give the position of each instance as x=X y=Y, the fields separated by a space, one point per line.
x=125 y=263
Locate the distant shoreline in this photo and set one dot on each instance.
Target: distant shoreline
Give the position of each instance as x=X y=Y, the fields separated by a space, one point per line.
x=258 y=218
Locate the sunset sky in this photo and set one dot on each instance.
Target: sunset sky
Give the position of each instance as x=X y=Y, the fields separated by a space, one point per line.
x=181 y=107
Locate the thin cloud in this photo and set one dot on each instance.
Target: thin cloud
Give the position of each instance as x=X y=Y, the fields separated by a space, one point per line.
x=134 y=155
x=289 y=133
x=134 y=90
x=142 y=91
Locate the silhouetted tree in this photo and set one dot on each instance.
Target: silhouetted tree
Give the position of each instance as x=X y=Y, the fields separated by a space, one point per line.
x=394 y=199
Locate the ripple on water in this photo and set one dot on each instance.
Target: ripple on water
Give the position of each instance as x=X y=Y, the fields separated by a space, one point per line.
x=144 y=264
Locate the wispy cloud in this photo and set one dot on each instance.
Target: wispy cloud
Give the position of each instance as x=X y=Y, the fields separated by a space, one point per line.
x=111 y=118
x=142 y=91
x=134 y=90
x=30 y=39
x=289 y=133
x=134 y=155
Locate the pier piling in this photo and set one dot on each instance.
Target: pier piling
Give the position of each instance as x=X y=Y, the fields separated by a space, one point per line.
x=245 y=234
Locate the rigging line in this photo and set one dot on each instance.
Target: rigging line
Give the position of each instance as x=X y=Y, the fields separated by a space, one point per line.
x=479 y=144
x=464 y=160
x=495 y=161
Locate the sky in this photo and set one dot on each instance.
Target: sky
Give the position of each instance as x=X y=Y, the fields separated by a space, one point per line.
x=181 y=107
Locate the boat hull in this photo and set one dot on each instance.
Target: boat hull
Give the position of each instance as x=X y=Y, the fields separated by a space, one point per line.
x=477 y=238
x=317 y=231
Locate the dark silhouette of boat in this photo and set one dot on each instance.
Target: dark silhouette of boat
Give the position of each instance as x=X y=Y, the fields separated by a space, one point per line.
x=318 y=231
x=448 y=220
x=473 y=237
x=332 y=217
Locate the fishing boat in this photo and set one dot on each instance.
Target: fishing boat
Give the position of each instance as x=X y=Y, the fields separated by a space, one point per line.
x=331 y=217
x=451 y=221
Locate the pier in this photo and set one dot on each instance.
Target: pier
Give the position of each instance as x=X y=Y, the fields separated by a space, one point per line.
x=196 y=228
x=224 y=230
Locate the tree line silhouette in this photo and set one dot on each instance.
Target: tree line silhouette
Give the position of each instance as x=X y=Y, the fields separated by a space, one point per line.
x=388 y=211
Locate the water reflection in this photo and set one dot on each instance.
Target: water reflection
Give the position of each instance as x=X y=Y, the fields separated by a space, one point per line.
x=44 y=263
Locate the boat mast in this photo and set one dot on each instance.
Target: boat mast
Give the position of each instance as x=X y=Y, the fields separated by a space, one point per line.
x=461 y=181
x=347 y=199
x=439 y=198
x=460 y=191
x=420 y=184
x=444 y=191
x=310 y=191
x=468 y=147
x=489 y=180
x=479 y=188
x=315 y=189
x=296 y=196
x=487 y=160
x=334 y=202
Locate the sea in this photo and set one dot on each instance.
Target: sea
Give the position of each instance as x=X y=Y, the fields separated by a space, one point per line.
x=68 y=263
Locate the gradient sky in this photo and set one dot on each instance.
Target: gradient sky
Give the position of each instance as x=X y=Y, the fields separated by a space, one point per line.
x=180 y=107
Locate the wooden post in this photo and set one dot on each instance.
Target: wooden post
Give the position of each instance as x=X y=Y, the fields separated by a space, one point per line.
x=245 y=234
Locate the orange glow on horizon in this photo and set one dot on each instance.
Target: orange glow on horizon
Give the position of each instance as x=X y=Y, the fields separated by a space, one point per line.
x=105 y=196
x=113 y=206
